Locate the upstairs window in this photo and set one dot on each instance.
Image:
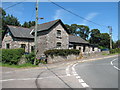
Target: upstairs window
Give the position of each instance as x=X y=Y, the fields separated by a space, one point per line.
x=58 y=32
x=58 y=44
x=7 y=46
x=7 y=34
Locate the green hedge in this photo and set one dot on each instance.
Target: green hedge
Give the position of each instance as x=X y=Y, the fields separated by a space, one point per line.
x=30 y=57
x=61 y=52
x=12 y=56
x=117 y=50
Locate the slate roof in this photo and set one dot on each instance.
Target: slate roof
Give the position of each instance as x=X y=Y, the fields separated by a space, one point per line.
x=76 y=39
x=48 y=25
x=20 y=32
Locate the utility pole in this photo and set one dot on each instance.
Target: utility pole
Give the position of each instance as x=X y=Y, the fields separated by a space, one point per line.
x=110 y=33
x=35 y=38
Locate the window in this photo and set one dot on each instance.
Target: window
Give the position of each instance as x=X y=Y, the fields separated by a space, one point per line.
x=74 y=46
x=58 y=32
x=83 y=48
x=58 y=44
x=7 y=34
x=7 y=46
x=32 y=48
x=92 y=48
x=23 y=46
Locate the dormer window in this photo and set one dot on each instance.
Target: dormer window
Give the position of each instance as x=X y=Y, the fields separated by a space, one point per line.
x=8 y=33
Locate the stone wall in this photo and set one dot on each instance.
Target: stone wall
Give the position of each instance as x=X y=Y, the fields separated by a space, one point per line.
x=52 y=38
x=41 y=45
x=55 y=59
x=48 y=39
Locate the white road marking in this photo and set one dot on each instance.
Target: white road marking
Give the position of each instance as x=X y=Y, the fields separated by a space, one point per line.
x=113 y=64
x=85 y=85
x=116 y=68
x=30 y=78
x=68 y=70
x=80 y=80
x=97 y=58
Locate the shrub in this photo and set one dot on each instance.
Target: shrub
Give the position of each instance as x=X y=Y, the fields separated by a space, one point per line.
x=12 y=56
x=30 y=57
x=61 y=52
x=117 y=50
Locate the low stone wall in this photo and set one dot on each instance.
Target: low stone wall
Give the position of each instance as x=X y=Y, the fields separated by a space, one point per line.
x=62 y=58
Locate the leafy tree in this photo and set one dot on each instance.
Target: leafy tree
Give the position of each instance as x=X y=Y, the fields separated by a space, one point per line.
x=28 y=24
x=80 y=30
x=95 y=36
x=2 y=18
x=117 y=44
x=8 y=20
x=83 y=31
x=104 y=40
x=11 y=20
x=72 y=28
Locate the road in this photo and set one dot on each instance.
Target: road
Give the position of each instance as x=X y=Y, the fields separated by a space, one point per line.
x=90 y=74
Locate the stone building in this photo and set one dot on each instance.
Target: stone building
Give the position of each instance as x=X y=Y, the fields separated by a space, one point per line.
x=76 y=42
x=18 y=37
x=50 y=35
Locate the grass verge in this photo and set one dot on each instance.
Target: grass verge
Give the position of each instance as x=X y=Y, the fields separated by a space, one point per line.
x=27 y=65
x=109 y=54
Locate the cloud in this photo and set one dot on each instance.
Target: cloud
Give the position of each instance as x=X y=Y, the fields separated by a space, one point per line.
x=90 y=16
x=58 y=14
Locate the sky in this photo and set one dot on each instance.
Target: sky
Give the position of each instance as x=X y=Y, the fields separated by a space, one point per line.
x=104 y=13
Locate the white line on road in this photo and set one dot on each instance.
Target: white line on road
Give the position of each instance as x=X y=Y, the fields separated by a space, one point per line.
x=81 y=81
x=113 y=64
x=68 y=70
x=30 y=78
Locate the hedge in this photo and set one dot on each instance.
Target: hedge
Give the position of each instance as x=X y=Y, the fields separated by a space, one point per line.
x=117 y=50
x=61 y=52
x=12 y=56
x=30 y=57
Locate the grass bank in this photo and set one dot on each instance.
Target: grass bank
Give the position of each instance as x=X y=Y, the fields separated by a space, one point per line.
x=27 y=65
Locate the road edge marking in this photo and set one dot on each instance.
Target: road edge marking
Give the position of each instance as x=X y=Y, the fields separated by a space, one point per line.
x=113 y=64
x=80 y=80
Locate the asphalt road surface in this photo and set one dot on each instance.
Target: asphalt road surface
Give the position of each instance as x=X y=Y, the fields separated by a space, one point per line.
x=92 y=73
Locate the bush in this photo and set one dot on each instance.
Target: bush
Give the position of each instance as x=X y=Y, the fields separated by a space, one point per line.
x=61 y=52
x=30 y=57
x=117 y=50
x=12 y=56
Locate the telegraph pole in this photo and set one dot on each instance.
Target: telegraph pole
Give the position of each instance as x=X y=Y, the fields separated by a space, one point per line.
x=35 y=38
x=110 y=33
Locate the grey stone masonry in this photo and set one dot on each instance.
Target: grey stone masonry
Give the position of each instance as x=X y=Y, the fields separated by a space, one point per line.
x=49 y=39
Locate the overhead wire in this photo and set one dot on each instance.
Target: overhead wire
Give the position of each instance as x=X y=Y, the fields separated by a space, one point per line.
x=63 y=9
x=77 y=14
x=13 y=5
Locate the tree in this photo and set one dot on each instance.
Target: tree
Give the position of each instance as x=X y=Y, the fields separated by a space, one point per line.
x=11 y=20
x=2 y=18
x=72 y=28
x=28 y=24
x=83 y=31
x=104 y=40
x=95 y=36
x=80 y=30
x=117 y=44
